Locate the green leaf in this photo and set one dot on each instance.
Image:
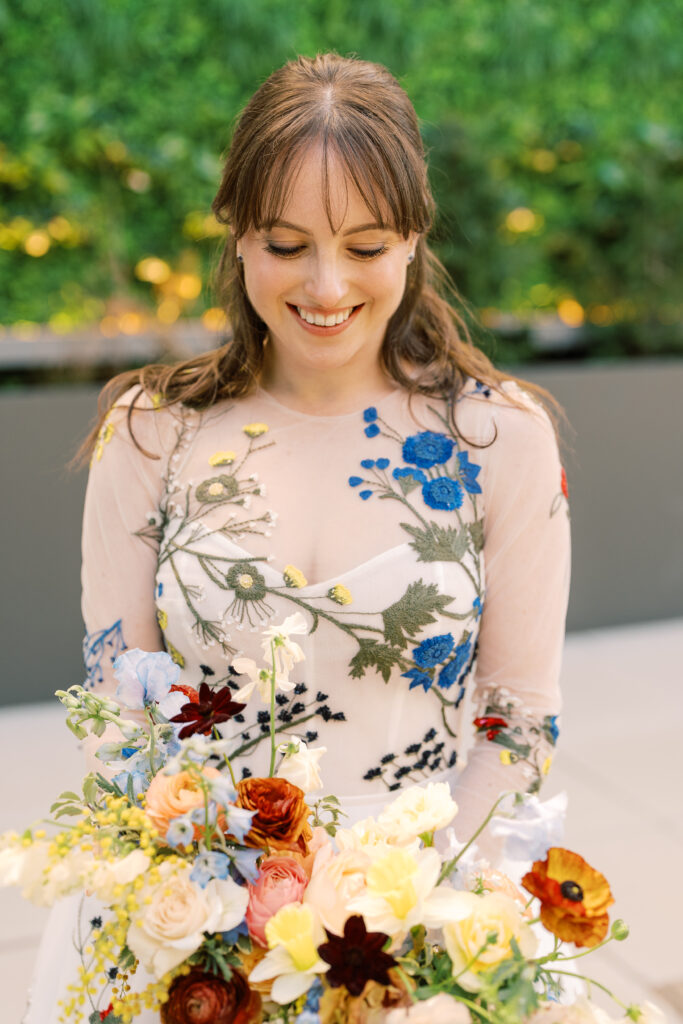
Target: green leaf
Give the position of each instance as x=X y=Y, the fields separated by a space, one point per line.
x=476 y=532
x=90 y=789
x=438 y=543
x=408 y=484
x=372 y=654
x=412 y=612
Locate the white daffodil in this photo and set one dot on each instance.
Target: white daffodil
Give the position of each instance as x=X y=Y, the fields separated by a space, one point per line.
x=259 y=678
x=293 y=935
x=401 y=892
x=300 y=764
x=418 y=810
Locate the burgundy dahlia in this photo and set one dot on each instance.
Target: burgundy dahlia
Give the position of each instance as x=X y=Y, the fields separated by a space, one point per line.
x=211 y=708
x=356 y=957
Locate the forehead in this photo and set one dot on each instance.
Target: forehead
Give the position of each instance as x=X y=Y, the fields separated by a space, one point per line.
x=318 y=192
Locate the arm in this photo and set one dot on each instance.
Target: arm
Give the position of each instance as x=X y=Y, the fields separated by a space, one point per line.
x=124 y=491
x=527 y=566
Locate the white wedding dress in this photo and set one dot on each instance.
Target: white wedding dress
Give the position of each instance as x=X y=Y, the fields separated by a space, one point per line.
x=431 y=566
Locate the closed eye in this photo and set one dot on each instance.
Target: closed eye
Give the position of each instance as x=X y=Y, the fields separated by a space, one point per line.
x=288 y=251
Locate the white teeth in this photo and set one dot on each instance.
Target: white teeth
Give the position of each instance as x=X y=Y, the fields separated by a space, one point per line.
x=324 y=321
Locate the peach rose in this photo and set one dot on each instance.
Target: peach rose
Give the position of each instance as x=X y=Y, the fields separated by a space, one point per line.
x=170 y=796
x=281 y=819
x=336 y=879
x=440 y=1009
x=281 y=880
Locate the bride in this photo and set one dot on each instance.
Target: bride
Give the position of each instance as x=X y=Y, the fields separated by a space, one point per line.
x=349 y=456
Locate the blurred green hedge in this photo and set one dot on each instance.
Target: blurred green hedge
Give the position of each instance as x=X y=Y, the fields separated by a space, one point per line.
x=554 y=133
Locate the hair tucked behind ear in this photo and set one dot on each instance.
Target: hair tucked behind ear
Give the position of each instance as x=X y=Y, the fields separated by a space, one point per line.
x=359 y=114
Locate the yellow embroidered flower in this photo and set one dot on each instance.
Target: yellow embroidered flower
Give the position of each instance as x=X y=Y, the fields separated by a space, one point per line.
x=216 y=488
x=255 y=429
x=294 y=577
x=221 y=458
x=340 y=594
x=162 y=619
x=104 y=437
x=176 y=656
x=506 y=757
x=545 y=767
x=157 y=400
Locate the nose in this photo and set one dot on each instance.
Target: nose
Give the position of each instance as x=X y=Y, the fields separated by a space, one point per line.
x=326 y=285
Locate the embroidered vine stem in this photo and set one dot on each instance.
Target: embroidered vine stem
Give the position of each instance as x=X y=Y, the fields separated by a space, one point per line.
x=272 y=710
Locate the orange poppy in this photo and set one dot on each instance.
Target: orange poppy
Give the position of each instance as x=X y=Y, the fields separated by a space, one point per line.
x=574 y=897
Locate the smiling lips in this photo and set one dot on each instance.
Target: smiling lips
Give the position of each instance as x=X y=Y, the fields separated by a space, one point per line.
x=321 y=322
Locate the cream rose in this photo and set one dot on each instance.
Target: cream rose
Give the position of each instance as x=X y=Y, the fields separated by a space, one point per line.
x=465 y=937
x=441 y=1009
x=417 y=810
x=300 y=764
x=336 y=879
x=171 y=926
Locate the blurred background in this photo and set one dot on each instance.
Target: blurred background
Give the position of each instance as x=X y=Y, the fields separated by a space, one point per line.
x=555 y=141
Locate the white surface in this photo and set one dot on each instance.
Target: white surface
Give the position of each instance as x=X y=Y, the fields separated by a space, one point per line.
x=618 y=759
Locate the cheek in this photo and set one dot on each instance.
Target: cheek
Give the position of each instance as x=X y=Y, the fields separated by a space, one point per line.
x=387 y=283
x=265 y=283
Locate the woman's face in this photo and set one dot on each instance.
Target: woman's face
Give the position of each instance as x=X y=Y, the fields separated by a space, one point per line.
x=325 y=294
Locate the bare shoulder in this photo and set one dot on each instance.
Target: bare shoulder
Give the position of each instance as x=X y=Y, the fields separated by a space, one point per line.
x=508 y=418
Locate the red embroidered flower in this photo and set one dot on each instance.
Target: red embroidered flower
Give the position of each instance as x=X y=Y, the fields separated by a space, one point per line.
x=564 y=484
x=491 y=725
x=105 y=1013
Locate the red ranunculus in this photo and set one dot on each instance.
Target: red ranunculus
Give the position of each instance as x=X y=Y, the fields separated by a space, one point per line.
x=281 y=819
x=202 y=998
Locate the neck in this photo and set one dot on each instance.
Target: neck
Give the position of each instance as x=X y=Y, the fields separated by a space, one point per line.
x=330 y=392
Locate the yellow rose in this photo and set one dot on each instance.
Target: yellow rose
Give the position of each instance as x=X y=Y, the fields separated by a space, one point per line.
x=466 y=938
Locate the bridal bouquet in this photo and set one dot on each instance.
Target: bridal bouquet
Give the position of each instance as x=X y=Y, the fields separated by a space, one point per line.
x=225 y=902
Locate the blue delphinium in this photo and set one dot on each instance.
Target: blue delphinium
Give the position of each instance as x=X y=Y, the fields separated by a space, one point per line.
x=208 y=865
x=244 y=863
x=180 y=831
x=443 y=493
x=433 y=650
x=138 y=780
x=238 y=821
x=469 y=471
x=146 y=679
x=427 y=449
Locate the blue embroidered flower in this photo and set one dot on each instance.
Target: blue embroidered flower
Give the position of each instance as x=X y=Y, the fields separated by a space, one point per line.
x=370 y=414
x=443 y=493
x=483 y=388
x=160 y=589
x=367 y=463
x=427 y=449
x=365 y=495
x=355 y=481
x=416 y=474
x=433 y=650
x=418 y=678
x=469 y=471
x=382 y=463
x=451 y=672
x=477 y=606
x=553 y=727
x=372 y=430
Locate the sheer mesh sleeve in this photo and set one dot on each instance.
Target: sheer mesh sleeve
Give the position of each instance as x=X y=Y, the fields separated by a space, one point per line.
x=527 y=558
x=120 y=539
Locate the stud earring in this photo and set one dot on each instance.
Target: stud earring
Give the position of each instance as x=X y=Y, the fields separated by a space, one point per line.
x=411 y=257
x=240 y=258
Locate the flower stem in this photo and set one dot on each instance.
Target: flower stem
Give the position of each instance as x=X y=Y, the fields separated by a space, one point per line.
x=272 y=711
x=592 y=981
x=448 y=867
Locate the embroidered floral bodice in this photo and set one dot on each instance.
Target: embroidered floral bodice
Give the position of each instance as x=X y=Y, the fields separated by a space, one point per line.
x=432 y=573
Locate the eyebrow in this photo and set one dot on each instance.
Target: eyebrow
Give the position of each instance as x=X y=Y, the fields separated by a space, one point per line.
x=372 y=226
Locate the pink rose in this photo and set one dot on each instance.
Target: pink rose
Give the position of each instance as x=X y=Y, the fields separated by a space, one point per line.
x=281 y=880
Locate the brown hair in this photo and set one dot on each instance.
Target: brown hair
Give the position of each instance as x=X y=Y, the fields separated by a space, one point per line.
x=360 y=115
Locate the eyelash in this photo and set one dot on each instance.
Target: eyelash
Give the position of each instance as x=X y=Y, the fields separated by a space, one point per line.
x=285 y=253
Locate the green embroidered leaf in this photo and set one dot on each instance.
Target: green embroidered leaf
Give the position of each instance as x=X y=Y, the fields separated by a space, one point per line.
x=438 y=543
x=505 y=740
x=372 y=654
x=476 y=531
x=412 y=612
x=408 y=484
